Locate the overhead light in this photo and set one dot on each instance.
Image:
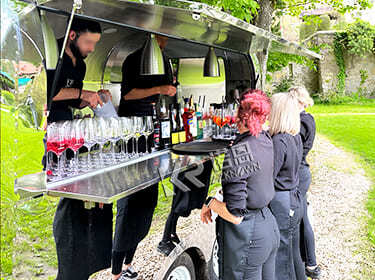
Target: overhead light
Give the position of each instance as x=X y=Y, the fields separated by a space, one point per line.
x=211 y=64
x=152 y=62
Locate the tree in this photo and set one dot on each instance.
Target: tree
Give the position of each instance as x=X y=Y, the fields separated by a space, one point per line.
x=263 y=13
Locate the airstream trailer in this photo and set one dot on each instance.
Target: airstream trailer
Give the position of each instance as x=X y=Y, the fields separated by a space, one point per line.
x=29 y=49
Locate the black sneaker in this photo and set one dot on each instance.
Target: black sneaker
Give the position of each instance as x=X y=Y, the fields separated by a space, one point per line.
x=175 y=239
x=129 y=274
x=313 y=273
x=166 y=247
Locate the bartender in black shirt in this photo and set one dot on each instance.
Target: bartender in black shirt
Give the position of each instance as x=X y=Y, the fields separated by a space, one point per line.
x=69 y=93
x=247 y=232
x=134 y=213
x=83 y=237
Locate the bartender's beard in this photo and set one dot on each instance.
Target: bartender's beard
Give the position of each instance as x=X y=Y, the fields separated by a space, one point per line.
x=75 y=50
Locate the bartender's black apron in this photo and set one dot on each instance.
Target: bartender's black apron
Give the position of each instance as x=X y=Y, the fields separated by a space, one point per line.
x=83 y=237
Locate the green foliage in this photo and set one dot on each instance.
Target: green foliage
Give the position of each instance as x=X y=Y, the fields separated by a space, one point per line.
x=284 y=85
x=7 y=98
x=242 y=9
x=339 y=55
x=364 y=76
x=277 y=61
x=360 y=38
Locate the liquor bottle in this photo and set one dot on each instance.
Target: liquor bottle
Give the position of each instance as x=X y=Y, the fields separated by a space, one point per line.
x=174 y=127
x=194 y=126
x=199 y=115
x=165 y=127
x=187 y=118
x=155 y=120
x=180 y=124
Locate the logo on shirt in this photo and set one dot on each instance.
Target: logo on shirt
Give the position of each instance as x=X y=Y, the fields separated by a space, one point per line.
x=69 y=83
x=239 y=162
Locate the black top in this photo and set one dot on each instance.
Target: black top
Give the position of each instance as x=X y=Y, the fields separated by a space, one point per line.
x=287 y=160
x=70 y=77
x=247 y=173
x=307 y=134
x=131 y=78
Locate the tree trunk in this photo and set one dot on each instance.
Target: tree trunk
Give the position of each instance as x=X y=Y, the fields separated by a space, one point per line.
x=264 y=20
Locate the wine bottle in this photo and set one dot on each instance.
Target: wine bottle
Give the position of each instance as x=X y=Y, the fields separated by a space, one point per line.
x=180 y=124
x=187 y=118
x=193 y=127
x=174 y=127
x=165 y=127
x=155 y=120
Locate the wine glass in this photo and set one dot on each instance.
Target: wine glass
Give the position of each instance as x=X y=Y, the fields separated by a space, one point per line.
x=101 y=137
x=75 y=140
x=126 y=134
x=50 y=149
x=114 y=135
x=88 y=130
x=138 y=130
x=149 y=129
x=57 y=143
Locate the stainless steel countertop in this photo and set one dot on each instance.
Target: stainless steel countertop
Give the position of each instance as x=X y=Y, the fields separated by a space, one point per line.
x=111 y=183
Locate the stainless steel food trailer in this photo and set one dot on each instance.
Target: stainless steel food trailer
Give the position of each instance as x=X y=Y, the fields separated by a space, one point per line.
x=28 y=48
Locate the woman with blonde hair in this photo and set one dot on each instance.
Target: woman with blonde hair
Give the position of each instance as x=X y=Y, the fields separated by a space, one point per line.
x=284 y=123
x=307 y=133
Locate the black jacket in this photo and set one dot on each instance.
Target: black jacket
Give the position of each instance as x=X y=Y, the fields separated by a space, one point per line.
x=247 y=173
x=307 y=133
x=287 y=160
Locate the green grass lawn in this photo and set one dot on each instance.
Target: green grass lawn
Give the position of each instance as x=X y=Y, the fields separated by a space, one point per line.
x=355 y=133
x=367 y=106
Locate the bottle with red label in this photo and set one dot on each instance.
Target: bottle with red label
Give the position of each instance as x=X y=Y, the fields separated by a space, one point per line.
x=187 y=118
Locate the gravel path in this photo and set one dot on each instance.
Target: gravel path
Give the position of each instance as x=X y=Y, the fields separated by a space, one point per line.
x=337 y=195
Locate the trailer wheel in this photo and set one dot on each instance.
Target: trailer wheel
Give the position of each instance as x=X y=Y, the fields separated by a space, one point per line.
x=213 y=265
x=181 y=269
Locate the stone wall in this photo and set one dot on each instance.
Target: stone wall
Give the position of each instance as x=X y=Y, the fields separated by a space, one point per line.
x=325 y=79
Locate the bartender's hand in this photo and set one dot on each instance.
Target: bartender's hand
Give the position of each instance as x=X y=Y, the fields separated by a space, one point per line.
x=167 y=90
x=92 y=98
x=106 y=92
x=206 y=215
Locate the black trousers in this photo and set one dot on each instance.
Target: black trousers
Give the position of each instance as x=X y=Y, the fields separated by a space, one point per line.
x=288 y=211
x=83 y=239
x=307 y=243
x=133 y=222
x=248 y=251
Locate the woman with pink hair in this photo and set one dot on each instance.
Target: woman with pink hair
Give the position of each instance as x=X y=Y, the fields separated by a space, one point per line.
x=247 y=232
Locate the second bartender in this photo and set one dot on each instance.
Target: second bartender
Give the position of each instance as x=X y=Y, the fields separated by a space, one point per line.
x=139 y=93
